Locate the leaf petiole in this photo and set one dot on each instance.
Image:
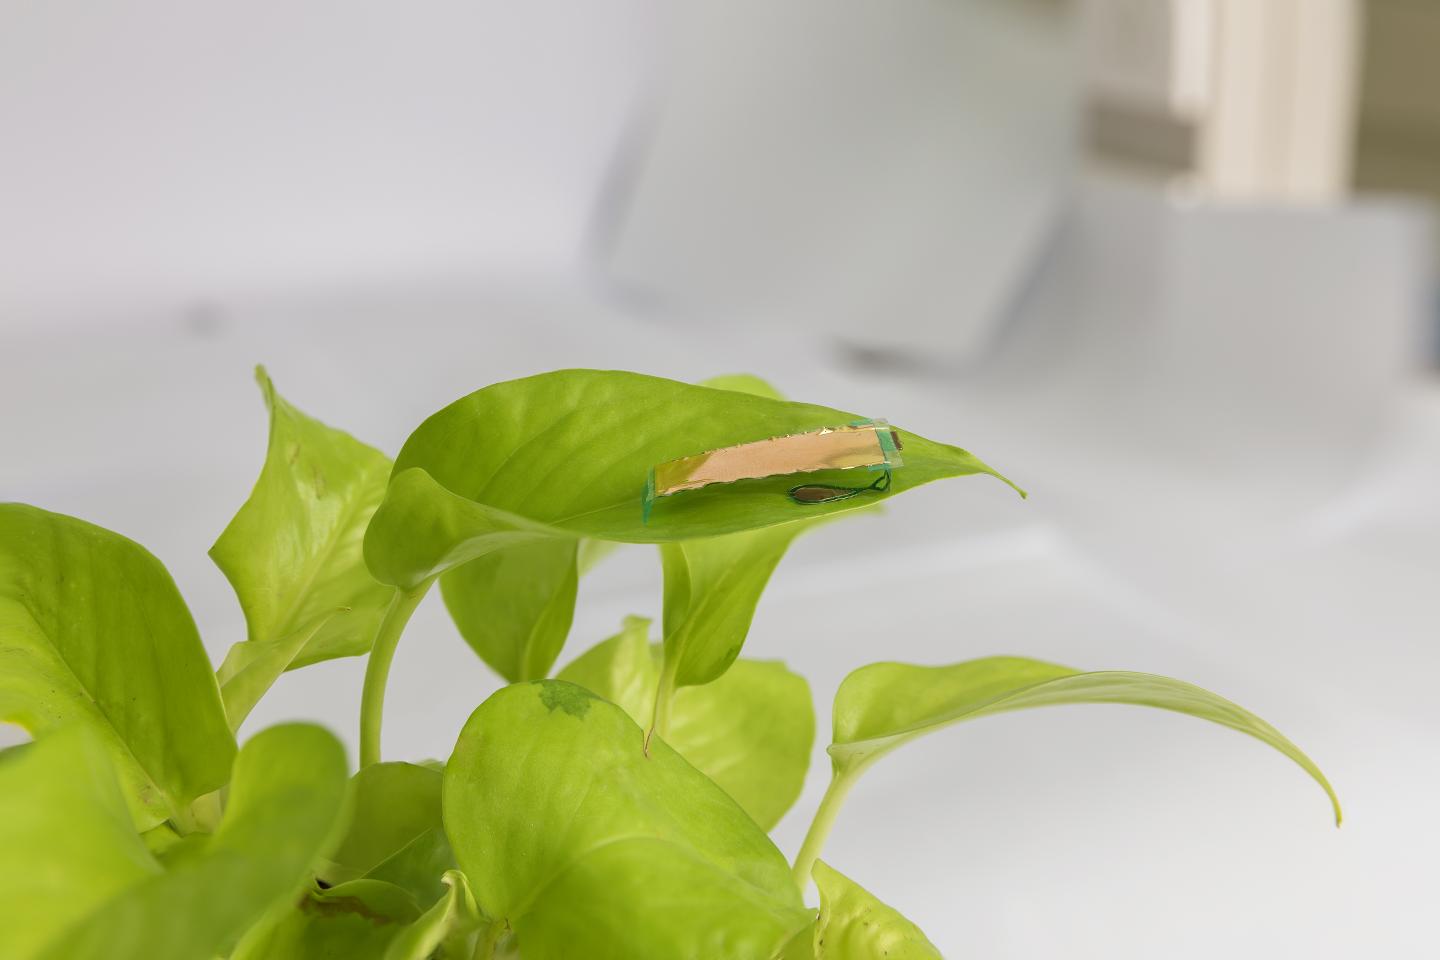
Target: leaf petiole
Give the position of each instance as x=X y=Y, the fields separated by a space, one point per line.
x=377 y=670
x=841 y=780
x=664 y=694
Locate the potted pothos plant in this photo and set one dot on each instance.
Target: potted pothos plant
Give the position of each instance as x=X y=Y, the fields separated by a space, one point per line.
x=618 y=809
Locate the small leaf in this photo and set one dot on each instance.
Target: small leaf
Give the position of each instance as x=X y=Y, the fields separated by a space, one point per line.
x=395 y=831
x=286 y=807
x=444 y=931
x=566 y=455
x=93 y=632
x=883 y=705
x=751 y=731
x=571 y=835
x=367 y=920
x=712 y=588
x=514 y=607
x=294 y=553
x=855 y=925
x=67 y=840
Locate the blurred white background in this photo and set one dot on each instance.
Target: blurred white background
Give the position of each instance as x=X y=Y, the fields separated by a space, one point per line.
x=1073 y=237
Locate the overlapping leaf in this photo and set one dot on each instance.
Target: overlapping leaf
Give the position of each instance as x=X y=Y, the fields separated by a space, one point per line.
x=93 y=632
x=571 y=835
x=751 y=731
x=514 y=606
x=67 y=843
x=286 y=807
x=368 y=920
x=855 y=925
x=395 y=832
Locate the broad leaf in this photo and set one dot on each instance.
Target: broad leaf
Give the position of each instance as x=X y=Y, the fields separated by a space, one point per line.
x=566 y=455
x=395 y=832
x=751 y=731
x=855 y=925
x=514 y=607
x=571 y=835
x=286 y=810
x=293 y=554
x=93 y=632
x=883 y=705
x=66 y=840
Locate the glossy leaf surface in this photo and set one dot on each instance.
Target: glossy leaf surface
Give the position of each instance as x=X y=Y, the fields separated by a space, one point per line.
x=571 y=834
x=566 y=454
x=294 y=553
x=67 y=843
x=93 y=632
x=883 y=705
x=855 y=925
x=286 y=804
x=751 y=731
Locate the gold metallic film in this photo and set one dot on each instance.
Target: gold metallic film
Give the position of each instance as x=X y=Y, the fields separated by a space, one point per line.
x=833 y=448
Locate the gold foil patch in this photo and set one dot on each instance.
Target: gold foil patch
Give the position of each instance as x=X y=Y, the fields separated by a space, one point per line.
x=871 y=443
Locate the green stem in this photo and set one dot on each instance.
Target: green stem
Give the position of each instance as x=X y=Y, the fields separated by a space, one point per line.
x=825 y=814
x=377 y=670
x=664 y=694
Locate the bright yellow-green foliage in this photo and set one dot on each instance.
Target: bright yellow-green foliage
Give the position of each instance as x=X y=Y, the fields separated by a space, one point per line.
x=618 y=812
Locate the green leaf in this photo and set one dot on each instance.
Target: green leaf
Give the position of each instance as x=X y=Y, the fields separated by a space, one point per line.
x=855 y=925
x=443 y=933
x=514 y=607
x=395 y=831
x=622 y=669
x=566 y=455
x=883 y=705
x=67 y=840
x=368 y=920
x=286 y=805
x=293 y=554
x=358 y=920
x=712 y=588
x=571 y=835
x=751 y=731
x=93 y=632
